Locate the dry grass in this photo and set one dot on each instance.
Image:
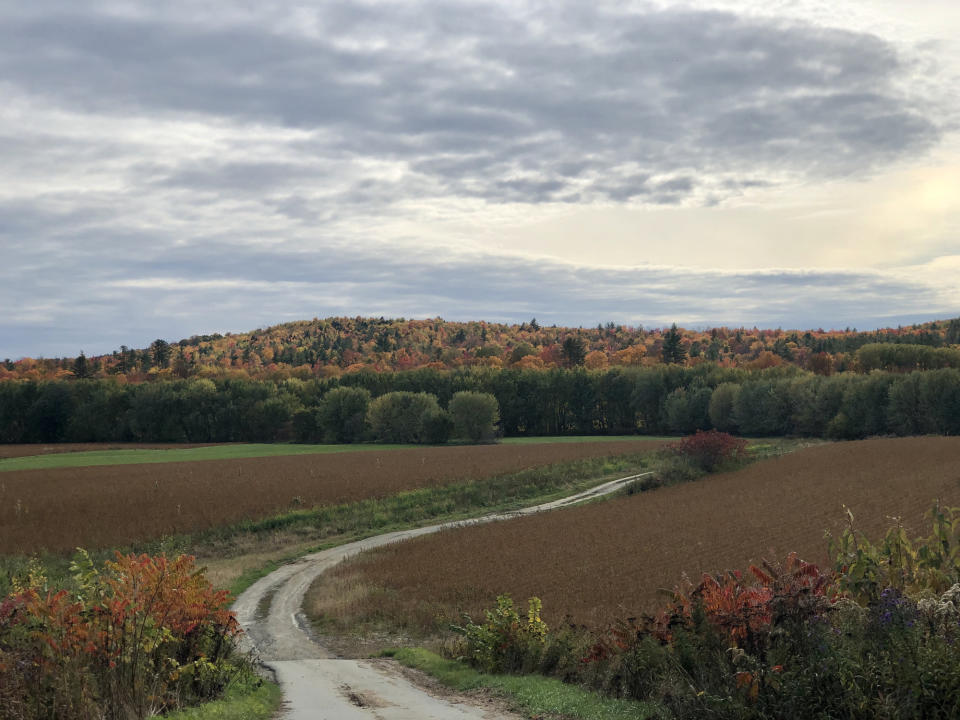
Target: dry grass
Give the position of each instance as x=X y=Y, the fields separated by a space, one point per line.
x=608 y=560
x=60 y=509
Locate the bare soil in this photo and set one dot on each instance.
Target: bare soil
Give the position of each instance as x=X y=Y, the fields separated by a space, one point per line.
x=594 y=563
x=106 y=506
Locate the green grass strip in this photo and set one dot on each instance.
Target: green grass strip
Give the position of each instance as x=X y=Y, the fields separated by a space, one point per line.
x=579 y=439
x=535 y=695
x=212 y=452
x=89 y=458
x=244 y=701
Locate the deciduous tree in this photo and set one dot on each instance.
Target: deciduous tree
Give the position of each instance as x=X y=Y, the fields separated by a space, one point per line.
x=475 y=416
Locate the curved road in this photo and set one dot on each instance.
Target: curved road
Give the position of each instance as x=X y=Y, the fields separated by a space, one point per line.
x=318 y=686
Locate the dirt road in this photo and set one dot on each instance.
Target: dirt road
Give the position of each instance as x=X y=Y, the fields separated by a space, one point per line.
x=318 y=686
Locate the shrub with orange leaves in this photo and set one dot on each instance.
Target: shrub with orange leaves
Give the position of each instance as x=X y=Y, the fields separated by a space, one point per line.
x=143 y=635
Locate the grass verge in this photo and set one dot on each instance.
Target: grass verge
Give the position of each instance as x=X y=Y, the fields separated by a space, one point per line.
x=232 y=451
x=534 y=695
x=579 y=439
x=209 y=452
x=253 y=699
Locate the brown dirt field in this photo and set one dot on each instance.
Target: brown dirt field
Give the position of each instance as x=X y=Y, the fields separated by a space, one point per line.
x=12 y=451
x=607 y=560
x=60 y=509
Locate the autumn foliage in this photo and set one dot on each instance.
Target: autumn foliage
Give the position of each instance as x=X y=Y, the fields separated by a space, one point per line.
x=143 y=635
x=709 y=449
x=330 y=347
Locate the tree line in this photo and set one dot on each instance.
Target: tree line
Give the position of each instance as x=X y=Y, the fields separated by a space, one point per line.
x=333 y=346
x=782 y=400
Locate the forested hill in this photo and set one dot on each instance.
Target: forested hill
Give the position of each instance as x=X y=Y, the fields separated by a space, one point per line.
x=332 y=346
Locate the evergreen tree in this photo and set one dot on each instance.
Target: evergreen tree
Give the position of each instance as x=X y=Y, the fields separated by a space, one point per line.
x=953 y=332
x=673 y=350
x=81 y=368
x=122 y=366
x=160 y=349
x=574 y=350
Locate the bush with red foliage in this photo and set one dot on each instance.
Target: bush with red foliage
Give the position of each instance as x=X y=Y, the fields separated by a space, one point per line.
x=709 y=449
x=142 y=636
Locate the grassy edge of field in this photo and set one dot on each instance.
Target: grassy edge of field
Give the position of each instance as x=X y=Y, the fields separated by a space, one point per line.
x=534 y=695
x=237 y=451
x=249 y=700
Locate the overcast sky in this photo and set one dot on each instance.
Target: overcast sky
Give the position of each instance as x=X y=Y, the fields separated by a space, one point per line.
x=180 y=167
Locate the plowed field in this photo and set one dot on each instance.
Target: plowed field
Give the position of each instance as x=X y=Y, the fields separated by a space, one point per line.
x=60 y=509
x=607 y=560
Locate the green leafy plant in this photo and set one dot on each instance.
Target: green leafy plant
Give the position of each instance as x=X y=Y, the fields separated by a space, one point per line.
x=930 y=563
x=505 y=643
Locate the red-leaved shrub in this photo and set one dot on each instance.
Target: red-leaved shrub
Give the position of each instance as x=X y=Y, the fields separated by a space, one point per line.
x=709 y=449
x=144 y=635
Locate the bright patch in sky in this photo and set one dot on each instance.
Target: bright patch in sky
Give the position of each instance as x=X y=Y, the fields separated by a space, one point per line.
x=171 y=168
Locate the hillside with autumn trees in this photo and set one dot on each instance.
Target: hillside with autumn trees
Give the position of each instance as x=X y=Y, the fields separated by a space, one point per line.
x=334 y=346
x=316 y=380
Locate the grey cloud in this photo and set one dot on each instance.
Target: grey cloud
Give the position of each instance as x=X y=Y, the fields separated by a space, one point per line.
x=202 y=148
x=467 y=94
x=244 y=177
x=136 y=291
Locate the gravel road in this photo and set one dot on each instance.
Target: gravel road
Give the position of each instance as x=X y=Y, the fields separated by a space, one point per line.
x=318 y=686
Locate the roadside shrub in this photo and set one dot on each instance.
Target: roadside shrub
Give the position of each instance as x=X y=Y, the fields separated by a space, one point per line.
x=645 y=484
x=925 y=565
x=708 y=450
x=401 y=417
x=341 y=415
x=505 y=643
x=144 y=635
x=673 y=470
x=475 y=416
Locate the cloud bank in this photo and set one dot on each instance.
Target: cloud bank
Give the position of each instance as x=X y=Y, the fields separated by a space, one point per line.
x=179 y=167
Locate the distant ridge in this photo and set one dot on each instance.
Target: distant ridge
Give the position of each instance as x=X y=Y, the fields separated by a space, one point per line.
x=332 y=346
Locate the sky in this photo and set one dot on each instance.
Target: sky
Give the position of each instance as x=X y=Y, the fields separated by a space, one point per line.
x=185 y=167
